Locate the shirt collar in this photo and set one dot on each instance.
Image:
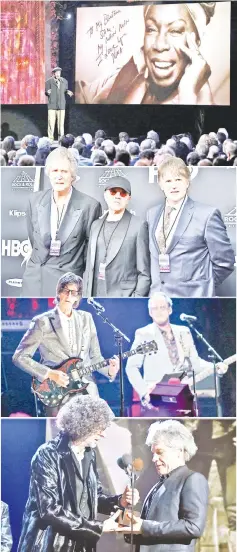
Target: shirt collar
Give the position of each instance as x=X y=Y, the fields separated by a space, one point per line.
x=77 y=450
x=177 y=206
x=64 y=316
x=68 y=197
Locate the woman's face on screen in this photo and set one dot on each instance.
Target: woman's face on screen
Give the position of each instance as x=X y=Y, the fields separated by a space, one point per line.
x=166 y=27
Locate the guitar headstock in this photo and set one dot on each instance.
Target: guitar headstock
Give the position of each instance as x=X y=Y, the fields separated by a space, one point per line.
x=147 y=347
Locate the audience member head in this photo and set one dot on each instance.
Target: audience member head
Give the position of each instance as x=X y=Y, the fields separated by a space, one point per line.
x=100 y=134
x=223 y=131
x=98 y=142
x=160 y=157
x=123 y=137
x=153 y=135
x=71 y=139
x=230 y=149
x=123 y=156
x=133 y=149
x=106 y=143
x=80 y=139
x=88 y=138
x=220 y=161
x=44 y=144
x=182 y=150
x=122 y=146
x=65 y=142
x=110 y=152
x=202 y=150
x=143 y=162
x=81 y=148
x=4 y=154
x=205 y=163
x=221 y=137
x=213 y=152
x=188 y=141
x=30 y=144
x=26 y=161
x=99 y=159
x=204 y=139
x=147 y=144
x=192 y=158
x=8 y=144
x=2 y=161
x=11 y=157
x=147 y=154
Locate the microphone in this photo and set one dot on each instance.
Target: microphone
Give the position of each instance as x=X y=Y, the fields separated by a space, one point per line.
x=129 y=465
x=186 y=317
x=95 y=304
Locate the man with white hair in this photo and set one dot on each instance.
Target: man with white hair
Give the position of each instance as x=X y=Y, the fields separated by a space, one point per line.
x=65 y=494
x=174 y=512
x=176 y=351
x=59 y=222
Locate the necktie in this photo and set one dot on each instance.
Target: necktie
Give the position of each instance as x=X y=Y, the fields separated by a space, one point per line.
x=164 y=230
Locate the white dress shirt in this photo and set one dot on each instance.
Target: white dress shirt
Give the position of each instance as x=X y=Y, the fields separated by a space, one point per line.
x=79 y=453
x=55 y=212
x=177 y=212
x=69 y=329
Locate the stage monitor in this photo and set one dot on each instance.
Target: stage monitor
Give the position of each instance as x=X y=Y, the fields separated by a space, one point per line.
x=153 y=54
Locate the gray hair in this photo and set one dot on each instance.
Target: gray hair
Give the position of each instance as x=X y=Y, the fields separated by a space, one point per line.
x=158 y=295
x=84 y=415
x=69 y=278
x=174 y=434
x=64 y=154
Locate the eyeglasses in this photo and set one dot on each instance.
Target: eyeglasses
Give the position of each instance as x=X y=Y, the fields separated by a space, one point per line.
x=72 y=291
x=122 y=192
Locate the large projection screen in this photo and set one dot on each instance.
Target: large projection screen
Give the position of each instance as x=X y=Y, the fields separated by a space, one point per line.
x=138 y=54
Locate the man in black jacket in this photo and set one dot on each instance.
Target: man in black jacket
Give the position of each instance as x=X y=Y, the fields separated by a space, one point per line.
x=175 y=510
x=65 y=493
x=56 y=89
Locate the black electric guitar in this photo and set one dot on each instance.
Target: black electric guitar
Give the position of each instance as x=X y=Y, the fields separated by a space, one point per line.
x=52 y=394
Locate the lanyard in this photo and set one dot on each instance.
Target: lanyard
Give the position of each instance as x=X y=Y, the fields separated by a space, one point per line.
x=166 y=237
x=59 y=217
x=108 y=243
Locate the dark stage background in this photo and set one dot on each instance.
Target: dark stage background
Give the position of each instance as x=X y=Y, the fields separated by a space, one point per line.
x=215 y=459
x=135 y=119
x=216 y=319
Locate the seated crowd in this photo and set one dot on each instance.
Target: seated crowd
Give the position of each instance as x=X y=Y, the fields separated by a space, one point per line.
x=213 y=149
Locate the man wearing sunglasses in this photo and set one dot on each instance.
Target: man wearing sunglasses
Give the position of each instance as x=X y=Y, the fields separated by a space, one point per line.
x=59 y=334
x=118 y=262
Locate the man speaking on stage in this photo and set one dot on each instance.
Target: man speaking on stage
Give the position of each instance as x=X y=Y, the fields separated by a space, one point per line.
x=56 y=89
x=175 y=510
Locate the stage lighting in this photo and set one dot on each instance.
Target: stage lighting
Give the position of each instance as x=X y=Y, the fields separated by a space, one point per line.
x=68 y=16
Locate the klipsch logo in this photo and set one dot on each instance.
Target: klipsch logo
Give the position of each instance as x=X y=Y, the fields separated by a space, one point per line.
x=230 y=218
x=14 y=282
x=16 y=213
x=23 y=182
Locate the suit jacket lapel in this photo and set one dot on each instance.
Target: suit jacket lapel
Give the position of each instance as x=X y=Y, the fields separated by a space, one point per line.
x=44 y=211
x=67 y=461
x=56 y=324
x=70 y=219
x=79 y=335
x=160 y=209
x=184 y=221
x=94 y=237
x=118 y=237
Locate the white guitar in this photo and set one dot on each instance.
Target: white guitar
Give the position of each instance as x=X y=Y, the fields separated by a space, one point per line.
x=209 y=371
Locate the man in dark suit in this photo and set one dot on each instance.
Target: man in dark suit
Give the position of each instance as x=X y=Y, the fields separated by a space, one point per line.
x=56 y=89
x=59 y=223
x=175 y=510
x=65 y=494
x=118 y=262
x=191 y=254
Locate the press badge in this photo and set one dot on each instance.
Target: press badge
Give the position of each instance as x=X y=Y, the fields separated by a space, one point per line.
x=55 y=248
x=101 y=274
x=164 y=262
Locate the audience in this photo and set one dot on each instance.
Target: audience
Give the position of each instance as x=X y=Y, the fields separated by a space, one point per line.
x=213 y=149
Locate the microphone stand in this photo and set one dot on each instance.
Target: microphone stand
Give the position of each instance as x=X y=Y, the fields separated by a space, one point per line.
x=133 y=479
x=214 y=356
x=118 y=337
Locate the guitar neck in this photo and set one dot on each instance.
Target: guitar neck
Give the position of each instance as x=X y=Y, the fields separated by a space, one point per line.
x=208 y=371
x=95 y=367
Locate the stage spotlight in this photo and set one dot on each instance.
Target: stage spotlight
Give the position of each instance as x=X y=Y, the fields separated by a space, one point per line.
x=68 y=16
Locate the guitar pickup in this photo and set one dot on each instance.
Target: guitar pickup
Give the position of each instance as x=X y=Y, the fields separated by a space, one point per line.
x=75 y=375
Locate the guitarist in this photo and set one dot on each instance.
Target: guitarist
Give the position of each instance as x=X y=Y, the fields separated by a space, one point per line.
x=175 y=343
x=59 y=334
